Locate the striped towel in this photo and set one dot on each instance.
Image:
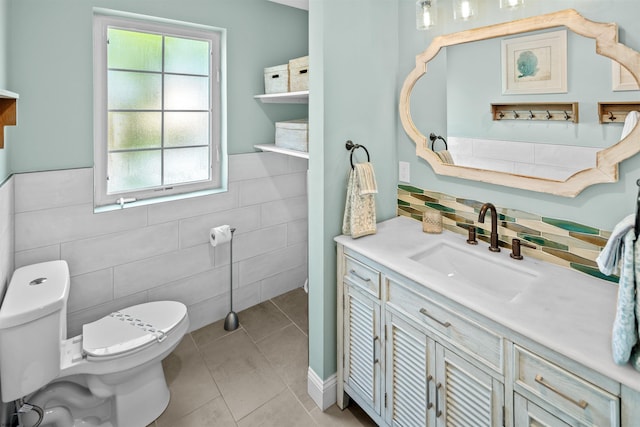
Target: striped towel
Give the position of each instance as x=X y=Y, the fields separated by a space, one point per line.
x=366 y=178
x=445 y=157
x=609 y=258
x=360 y=207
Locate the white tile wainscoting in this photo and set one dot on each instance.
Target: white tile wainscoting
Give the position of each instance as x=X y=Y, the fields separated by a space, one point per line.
x=6 y=234
x=522 y=158
x=162 y=251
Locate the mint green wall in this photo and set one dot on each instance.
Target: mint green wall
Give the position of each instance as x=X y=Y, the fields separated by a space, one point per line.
x=601 y=205
x=469 y=115
x=4 y=36
x=51 y=69
x=353 y=54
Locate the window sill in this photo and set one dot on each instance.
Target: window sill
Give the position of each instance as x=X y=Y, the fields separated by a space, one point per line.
x=162 y=199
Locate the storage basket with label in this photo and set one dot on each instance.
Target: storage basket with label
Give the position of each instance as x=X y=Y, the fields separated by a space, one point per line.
x=293 y=134
x=299 y=74
x=276 y=79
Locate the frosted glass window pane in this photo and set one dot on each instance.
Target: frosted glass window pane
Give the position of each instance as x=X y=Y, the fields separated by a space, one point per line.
x=134 y=170
x=186 y=56
x=132 y=50
x=134 y=91
x=182 y=129
x=186 y=165
x=186 y=93
x=134 y=130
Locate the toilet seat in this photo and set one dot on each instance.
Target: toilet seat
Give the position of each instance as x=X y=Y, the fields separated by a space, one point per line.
x=131 y=329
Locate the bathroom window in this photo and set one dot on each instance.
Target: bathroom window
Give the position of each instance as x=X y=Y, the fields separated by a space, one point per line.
x=158 y=110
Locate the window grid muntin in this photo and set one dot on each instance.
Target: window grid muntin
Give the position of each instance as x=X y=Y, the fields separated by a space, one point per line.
x=163 y=110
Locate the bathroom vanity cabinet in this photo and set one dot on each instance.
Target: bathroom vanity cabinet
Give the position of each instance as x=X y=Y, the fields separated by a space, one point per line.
x=410 y=356
x=397 y=366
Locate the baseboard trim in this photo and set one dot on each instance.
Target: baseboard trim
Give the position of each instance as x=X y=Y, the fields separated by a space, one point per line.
x=322 y=392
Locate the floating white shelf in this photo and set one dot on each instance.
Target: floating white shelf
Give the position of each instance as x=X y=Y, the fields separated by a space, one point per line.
x=8 y=94
x=301 y=97
x=287 y=151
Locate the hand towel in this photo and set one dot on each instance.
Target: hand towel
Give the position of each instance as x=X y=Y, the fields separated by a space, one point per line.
x=445 y=157
x=608 y=259
x=625 y=330
x=360 y=207
x=366 y=178
x=629 y=123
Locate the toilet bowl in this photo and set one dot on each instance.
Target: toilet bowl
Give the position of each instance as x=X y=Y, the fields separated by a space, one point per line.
x=111 y=375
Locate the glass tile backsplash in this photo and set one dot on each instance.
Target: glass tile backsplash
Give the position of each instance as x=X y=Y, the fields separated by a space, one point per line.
x=561 y=242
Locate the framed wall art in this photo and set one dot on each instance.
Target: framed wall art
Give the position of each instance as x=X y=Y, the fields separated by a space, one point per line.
x=621 y=79
x=535 y=64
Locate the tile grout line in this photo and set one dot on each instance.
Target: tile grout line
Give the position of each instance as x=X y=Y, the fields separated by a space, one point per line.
x=290 y=319
x=288 y=386
x=206 y=365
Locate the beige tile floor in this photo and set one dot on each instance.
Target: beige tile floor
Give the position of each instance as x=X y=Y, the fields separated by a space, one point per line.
x=253 y=376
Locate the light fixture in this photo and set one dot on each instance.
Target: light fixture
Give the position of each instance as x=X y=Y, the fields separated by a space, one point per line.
x=464 y=9
x=426 y=14
x=510 y=4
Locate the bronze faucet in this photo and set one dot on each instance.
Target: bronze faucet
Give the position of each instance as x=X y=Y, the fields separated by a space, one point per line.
x=494 y=225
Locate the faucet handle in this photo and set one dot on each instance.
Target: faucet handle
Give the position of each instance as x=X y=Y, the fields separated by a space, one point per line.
x=472 y=235
x=515 y=248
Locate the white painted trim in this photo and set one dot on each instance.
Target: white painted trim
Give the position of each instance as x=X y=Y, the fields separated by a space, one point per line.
x=299 y=4
x=324 y=392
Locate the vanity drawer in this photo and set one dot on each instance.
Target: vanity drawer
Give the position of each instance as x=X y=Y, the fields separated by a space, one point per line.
x=583 y=401
x=481 y=343
x=362 y=276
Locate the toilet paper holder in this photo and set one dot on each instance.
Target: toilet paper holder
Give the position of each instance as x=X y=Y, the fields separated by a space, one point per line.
x=232 y=229
x=220 y=235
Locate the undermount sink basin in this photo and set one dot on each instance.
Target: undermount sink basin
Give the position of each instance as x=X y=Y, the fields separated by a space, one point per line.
x=496 y=275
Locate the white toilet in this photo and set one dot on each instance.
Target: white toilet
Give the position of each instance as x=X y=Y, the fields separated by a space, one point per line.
x=110 y=376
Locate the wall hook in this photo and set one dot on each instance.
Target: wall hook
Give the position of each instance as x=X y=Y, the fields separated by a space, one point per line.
x=549 y=115
x=611 y=116
x=501 y=115
x=515 y=114
x=531 y=115
x=566 y=116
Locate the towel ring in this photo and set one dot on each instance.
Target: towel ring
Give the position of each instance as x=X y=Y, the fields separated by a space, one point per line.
x=349 y=145
x=433 y=137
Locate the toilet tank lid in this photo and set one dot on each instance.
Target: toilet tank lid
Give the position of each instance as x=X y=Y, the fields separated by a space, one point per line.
x=35 y=291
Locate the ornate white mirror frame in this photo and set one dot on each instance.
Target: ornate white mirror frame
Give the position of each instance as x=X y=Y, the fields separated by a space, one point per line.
x=606 y=40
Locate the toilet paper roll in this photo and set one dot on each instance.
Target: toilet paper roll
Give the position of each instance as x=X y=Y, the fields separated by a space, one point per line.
x=220 y=235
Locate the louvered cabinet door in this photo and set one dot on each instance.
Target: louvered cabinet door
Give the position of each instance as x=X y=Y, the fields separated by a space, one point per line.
x=527 y=414
x=465 y=395
x=409 y=361
x=362 y=348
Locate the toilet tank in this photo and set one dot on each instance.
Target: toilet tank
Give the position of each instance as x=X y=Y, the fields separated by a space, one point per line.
x=33 y=322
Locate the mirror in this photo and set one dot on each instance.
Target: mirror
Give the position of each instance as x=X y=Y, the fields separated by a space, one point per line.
x=523 y=116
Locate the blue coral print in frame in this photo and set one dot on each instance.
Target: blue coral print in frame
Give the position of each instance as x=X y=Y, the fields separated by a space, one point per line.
x=535 y=64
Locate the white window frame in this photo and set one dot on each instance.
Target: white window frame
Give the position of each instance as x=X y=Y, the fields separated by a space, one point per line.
x=103 y=19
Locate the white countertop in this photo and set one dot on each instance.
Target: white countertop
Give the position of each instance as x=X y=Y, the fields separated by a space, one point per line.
x=572 y=314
